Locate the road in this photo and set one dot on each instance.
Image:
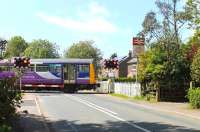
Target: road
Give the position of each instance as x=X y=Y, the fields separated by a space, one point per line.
x=101 y=113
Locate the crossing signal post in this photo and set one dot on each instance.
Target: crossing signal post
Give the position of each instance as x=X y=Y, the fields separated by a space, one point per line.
x=21 y=63
x=110 y=65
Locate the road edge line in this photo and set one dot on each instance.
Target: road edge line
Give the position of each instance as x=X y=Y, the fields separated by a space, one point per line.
x=38 y=106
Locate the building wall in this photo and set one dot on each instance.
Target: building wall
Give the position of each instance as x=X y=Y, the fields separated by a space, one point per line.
x=123 y=67
x=132 y=68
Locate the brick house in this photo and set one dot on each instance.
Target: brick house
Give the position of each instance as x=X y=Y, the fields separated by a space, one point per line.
x=123 y=67
x=127 y=64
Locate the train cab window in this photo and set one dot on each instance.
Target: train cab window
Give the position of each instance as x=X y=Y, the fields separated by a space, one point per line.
x=55 y=69
x=83 y=71
x=83 y=68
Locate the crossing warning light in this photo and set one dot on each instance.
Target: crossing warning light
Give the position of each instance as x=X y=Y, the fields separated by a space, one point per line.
x=21 y=62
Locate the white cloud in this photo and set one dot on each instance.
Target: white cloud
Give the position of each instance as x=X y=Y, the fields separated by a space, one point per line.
x=97 y=9
x=91 y=21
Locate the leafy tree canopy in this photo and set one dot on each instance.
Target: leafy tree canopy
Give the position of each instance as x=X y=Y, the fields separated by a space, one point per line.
x=193 y=13
x=84 y=49
x=195 y=67
x=114 y=55
x=15 y=47
x=41 y=49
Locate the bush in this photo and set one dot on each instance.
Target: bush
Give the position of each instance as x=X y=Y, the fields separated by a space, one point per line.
x=121 y=79
x=124 y=79
x=194 y=97
x=5 y=128
x=10 y=99
x=195 y=67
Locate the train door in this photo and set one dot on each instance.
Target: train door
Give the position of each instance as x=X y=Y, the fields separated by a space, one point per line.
x=69 y=71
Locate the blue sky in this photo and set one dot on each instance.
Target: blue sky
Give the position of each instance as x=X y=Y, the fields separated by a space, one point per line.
x=110 y=23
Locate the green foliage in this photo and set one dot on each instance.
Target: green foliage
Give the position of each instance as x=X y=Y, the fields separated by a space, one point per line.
x=194 y=97
x=41 y=49
x=15 y=47
x=114 y=55
x=139 y=97
x=5 y=128
x=10 y=99
x=193 y=13
x=124 y=79
x=151 y=65
x=120 y=96
x=172 y=20
x=195 y=67
x=84 y=50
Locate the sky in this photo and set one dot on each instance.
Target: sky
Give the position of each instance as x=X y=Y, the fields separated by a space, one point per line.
x=111 y=24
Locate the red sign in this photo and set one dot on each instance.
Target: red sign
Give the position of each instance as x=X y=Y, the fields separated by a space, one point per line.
x=138 y=41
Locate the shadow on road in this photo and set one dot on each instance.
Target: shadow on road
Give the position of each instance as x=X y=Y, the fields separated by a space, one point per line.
x=88 y=92
x=43 y=91
x=60 y=92
x=33 y=123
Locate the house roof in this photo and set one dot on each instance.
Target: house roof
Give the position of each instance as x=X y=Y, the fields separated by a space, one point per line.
x=133 y=61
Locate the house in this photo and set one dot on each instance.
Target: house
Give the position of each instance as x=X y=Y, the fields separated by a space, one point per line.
x=127 y=64
x=138 y=49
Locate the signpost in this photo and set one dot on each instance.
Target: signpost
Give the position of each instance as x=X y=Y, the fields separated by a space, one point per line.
x=111 y=65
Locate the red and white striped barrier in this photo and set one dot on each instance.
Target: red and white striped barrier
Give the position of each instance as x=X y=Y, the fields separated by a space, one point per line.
x=44 y=86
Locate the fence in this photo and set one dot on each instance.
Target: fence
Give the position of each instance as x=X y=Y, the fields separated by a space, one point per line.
x=128 y=89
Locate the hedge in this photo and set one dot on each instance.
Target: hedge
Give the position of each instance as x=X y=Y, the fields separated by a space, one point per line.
x=194 y=97
x=121 y=79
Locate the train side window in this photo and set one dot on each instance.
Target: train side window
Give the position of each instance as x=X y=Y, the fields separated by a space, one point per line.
x=6 y=68
x=32 y=68
x=42 y=68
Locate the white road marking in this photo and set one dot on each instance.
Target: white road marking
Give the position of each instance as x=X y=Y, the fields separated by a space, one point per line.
x=38 y=107
x=104 y=110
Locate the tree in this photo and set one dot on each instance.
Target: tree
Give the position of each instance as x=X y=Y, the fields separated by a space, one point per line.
x=195 y=68
x=15 y=47
x=84 y=49
x=172 y=20
x=166 y=44
x=113 y=56
x=192 y=10
x=192 y=46
x=41 y=49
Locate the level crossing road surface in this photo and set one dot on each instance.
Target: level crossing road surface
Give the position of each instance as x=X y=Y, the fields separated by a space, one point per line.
x=86 y=112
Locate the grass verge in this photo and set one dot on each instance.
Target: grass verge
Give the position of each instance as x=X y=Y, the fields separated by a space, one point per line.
x=136 y=98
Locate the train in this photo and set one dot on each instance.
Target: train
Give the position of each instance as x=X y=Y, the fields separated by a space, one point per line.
x=68 y=75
